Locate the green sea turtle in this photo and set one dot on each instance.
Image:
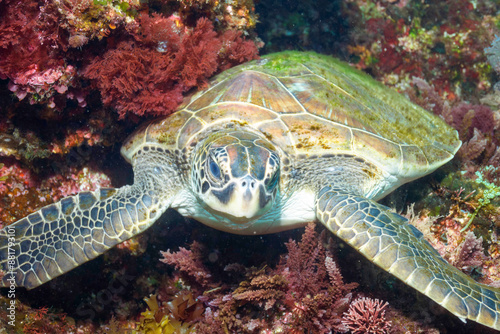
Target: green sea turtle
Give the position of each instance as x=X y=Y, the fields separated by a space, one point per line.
x=270 y=145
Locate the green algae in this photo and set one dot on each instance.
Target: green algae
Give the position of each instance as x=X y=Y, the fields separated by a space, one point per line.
x=490 y=191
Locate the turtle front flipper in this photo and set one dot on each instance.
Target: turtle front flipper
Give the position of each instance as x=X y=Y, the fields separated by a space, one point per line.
x=387 y=239
x=63 y=235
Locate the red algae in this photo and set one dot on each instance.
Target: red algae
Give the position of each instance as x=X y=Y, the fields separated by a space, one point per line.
x=149 y=75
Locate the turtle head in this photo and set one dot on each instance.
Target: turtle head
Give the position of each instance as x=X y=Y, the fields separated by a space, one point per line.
x=235 y=175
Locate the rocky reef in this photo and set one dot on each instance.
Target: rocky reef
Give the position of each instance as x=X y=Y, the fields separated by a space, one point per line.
x=77 y=76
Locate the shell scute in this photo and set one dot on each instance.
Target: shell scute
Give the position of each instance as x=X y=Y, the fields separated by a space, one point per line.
x=313 y=135
x=331 y=103
x=435 y=154
x=413 y=156
x=242 y=112
x=192 y=126
x=165 y=131
x=249 y=87
x=278 y=133
x=378 y=148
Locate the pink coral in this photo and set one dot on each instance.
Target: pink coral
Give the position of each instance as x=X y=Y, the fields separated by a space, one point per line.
x=148 y=75
x=31 y=51
x=22 y=192
x=43 y=84
x=76 y=181
x=366 y=315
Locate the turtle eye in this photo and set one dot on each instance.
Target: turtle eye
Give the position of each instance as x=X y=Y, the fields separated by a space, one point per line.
x=214 y=168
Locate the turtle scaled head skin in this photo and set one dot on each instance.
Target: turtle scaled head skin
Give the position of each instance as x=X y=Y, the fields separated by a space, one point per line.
x=236 y=174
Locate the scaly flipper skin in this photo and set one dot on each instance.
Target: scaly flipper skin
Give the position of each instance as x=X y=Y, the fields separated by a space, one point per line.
x=63 y=235
x=387 y=239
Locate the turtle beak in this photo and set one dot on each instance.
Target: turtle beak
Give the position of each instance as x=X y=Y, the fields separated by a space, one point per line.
x=243 y=200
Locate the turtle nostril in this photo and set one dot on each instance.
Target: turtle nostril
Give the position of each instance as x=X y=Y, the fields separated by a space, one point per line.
x=249 y=183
